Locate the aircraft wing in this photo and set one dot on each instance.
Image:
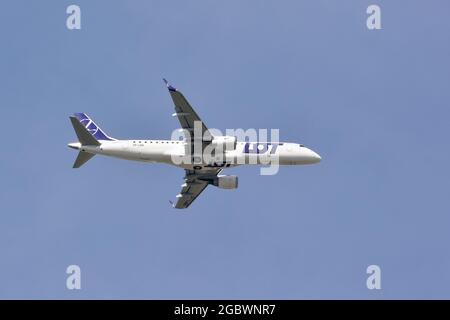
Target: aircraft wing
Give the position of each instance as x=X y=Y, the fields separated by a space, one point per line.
x=184 y=111
x=195 y=182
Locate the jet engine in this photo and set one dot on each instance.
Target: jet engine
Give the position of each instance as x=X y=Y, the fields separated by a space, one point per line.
x=226 y=182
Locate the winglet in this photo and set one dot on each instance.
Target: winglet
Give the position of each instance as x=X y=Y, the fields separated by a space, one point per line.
x=169 y=86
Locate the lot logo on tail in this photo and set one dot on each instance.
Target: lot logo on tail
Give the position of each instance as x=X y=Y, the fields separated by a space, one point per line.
x=90 y=125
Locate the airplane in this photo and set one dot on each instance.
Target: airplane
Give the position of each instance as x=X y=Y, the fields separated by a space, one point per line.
x=199 y=171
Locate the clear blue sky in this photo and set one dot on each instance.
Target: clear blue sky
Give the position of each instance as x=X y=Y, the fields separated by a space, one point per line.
x=374 y=104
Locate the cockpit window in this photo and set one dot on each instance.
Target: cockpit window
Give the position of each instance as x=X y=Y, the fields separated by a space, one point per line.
x=301 y=145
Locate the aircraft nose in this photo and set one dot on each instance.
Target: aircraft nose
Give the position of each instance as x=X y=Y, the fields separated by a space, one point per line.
x=314 y=157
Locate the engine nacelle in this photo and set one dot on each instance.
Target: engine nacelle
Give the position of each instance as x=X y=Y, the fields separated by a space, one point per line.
x=226 y=182
x=225 y=142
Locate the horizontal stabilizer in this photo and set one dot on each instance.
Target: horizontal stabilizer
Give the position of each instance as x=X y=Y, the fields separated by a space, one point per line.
x=82 y=158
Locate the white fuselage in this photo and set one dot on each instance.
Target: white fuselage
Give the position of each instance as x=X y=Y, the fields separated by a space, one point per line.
x=171 y=151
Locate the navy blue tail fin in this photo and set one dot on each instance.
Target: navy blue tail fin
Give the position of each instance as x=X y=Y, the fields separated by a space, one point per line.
x=93 y=129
